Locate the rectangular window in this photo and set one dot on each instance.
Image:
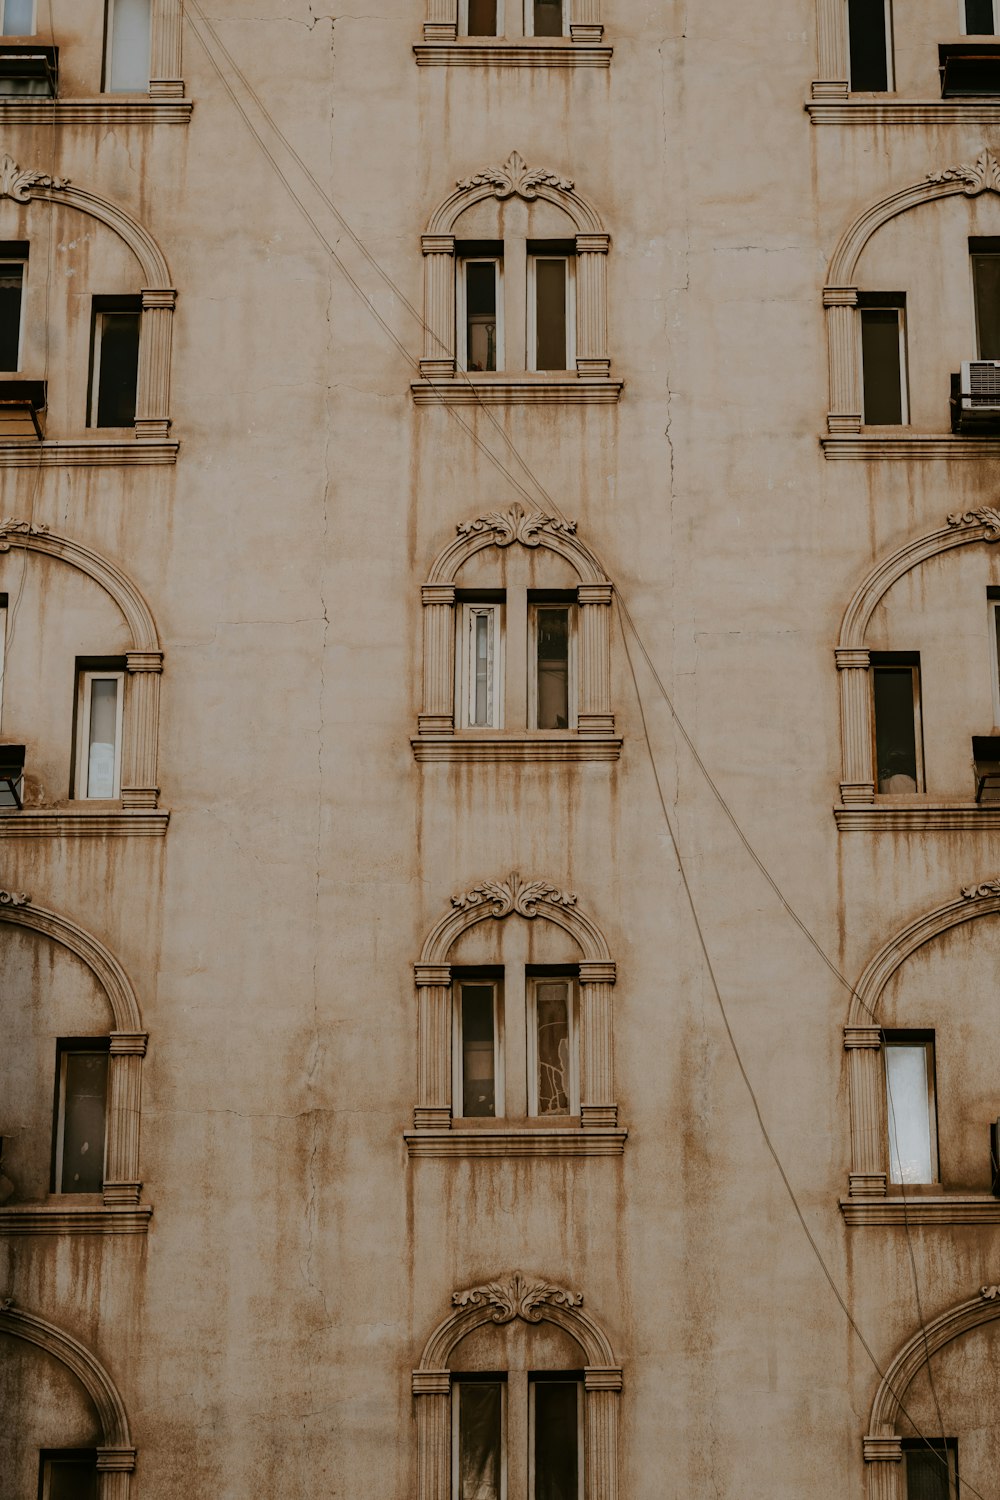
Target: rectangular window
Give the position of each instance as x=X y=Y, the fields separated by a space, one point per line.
x=478 y=1469
x=899 y=761
x=479 y=678
x=114 y=361
x=127 y=44
x=910 y=1107
x=480 y=18
x=869 y=24
x=930 y=1469
x=985 y=255
x=18 y=17
x=478 y=1083
x=555 y=1438
x=553 y=1049
x=3 y=647
x=551 y=648
x=67 y=1474
x=99 y=712
x=81 y=1111
x=545 y=18
x=883 y=357
x=479 y=321
x=993 y=608
x=551 y=311
x=13 y=265
x=980 y=18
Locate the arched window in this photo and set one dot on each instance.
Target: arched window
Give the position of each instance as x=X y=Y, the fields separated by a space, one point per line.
x=517 y=645
x=517 y=1394
x=70 y=1159
x=515 y=293
x=515 y=1028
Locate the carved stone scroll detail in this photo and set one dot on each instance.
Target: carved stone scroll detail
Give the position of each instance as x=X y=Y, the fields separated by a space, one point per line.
x=517 y=1296
x=983 y=889
x=980 y=176
x=515 y=178
x=519 y=525
x=11 y=898
x=513 y=895
x=983 y=515
x=17 y=182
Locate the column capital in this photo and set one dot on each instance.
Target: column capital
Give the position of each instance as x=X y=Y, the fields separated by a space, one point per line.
x=144 y=661
x=852 y=657
x=597 y=971
x=432 y=974
x=593 y=244
x=431 y=1382
x=437 y=244
x=594 y=593
x=884 y=1449
x=128 y=1043
x=159 y=297
x=120 y=1459
x=437 y=593
x=840 y=296
x=602 y=1378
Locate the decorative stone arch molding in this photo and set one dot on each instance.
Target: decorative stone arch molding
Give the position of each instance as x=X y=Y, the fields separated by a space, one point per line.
x=441 y=24
x=143 y=660
x=516 y=179
x=532 y=529
x=863 y=1032
x=883 y=1447
x=840 y=295
x=152 y=408
x=122 y=1184
x=495 y=900
x=499 y=1302
x=857 y=785
x=116 y=1455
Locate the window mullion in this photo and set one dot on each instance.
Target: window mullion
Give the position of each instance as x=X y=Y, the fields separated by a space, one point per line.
x=515 y=301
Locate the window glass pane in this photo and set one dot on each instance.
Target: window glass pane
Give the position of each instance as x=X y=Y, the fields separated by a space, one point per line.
x=19 y=18
x=557 y=1449
x=869 y=50
x=482 y=661
x=478 y=1052
x=895 y=730
x=550 y=314
x=481 y=314
x=11 y=283
x=986 y=280
x=480 y=1421
x=102 y=737
x=909 y=1113
x=85 y=1091
x=979 y=17
x=118 y=368
x=548 y=21
x=482 y=17
x=129 y=47
x=552 y=1001
x=880 y=362
x=552 y=632
x=930 y=1472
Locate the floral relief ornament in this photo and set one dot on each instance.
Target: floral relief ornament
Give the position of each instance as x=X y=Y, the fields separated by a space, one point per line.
x=983 y=515
x=17 y=182
x=12 y=898
x=979 y=892
x=980 y=176
x=517 y=1297
x=515 y=178
x=513 y=895
x=516 y=525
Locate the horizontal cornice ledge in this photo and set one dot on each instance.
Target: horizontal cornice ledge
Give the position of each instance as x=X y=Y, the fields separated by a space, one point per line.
x=916 y=445
x=84 y=453
x=456 y=749
x=458 y=391
x=903 y=112
x=82 y=823
x=964 y=817
x=530 y=53
x=54 y=1218
x=497 y=1143
x=104 y=111
x=971 y=1208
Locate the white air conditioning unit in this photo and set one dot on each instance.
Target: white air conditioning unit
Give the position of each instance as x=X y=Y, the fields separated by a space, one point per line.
x=978 y=403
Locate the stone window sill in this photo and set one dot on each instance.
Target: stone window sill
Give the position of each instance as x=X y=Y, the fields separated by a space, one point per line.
x=516 y=390
x=137 y=109
x=917 y=1209
x=28 y=453
x=103 y=820
x=498 y=52
x=75 y=1215
x=507 y=748
x=904 y=816
x=884 y=109
x=472 y=1141
x=903 y=444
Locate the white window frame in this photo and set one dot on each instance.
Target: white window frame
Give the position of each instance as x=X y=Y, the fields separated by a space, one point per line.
x=581 y=1451
x=904 y=373
x=497 y=1378
x=109 y=49
x=64 y=1054
x=465 y=676
x=921 y=1040
x=457 y=1055
x=463 y=18
x=529 y=19
x=86 y=678
x=461 y=303
x=572 y=709
x=531 y=352
x=962 y=22
x=97 y=334
x=532 y=981
x=34 y=20
x=890 y=49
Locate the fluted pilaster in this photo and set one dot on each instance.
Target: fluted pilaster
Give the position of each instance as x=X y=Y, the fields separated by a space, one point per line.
x=152 y=404
x=858 y=783
x=121 y=1178
x=432 y=1398
x=883 y=1455
x=139 y=788
x=592 y=305
x=842 y=337
x=441 y=24
x=831 y=38
x=439 y=305
x=597 y=1090
x=585 y=21
x=602 y=1387
x=433 y=1111
x=165 y=81
x=594 y=715
x=438 y=716
x=114 y=1471
x=868 y=1177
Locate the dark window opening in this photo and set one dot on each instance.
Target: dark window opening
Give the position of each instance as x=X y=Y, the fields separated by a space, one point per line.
x=979 y=18
x=896 y=692
x=481 y=314
x=13 y=260
x=552 y=666
x=556 y=1447
x=81 y=1115
x=882 y=358
x=482 y=17
x=114 y=362
x=869 y=45
x=548 y=18
x=480 y=1440
x=931 y=1469
x=986 y=290
x=551 y=278
x=67 y=1474
x=478 y=1050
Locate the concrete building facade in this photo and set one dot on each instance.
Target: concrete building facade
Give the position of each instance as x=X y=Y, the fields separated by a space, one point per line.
x=499 y=585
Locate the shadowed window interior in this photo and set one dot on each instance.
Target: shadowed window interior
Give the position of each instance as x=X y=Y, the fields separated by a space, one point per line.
x=883 y=357
x=555 y=1433
x=979 y=18
x=127 y=47
x=545 y=17
x=552 y=1034
x=478 y=1440
x=552 y=638
x=13 y=264
x=477 y=1020
x=930 y=1469
x=898 y=748
x=81 y=1114
x=480 y=17
x=480 y=283
x=869 y=24
x=18 y=17
x=488 y=1419
x=114 y=361
x=67 y=1474
x=985 y=254
x=515 y=1043
x=911 y=1114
